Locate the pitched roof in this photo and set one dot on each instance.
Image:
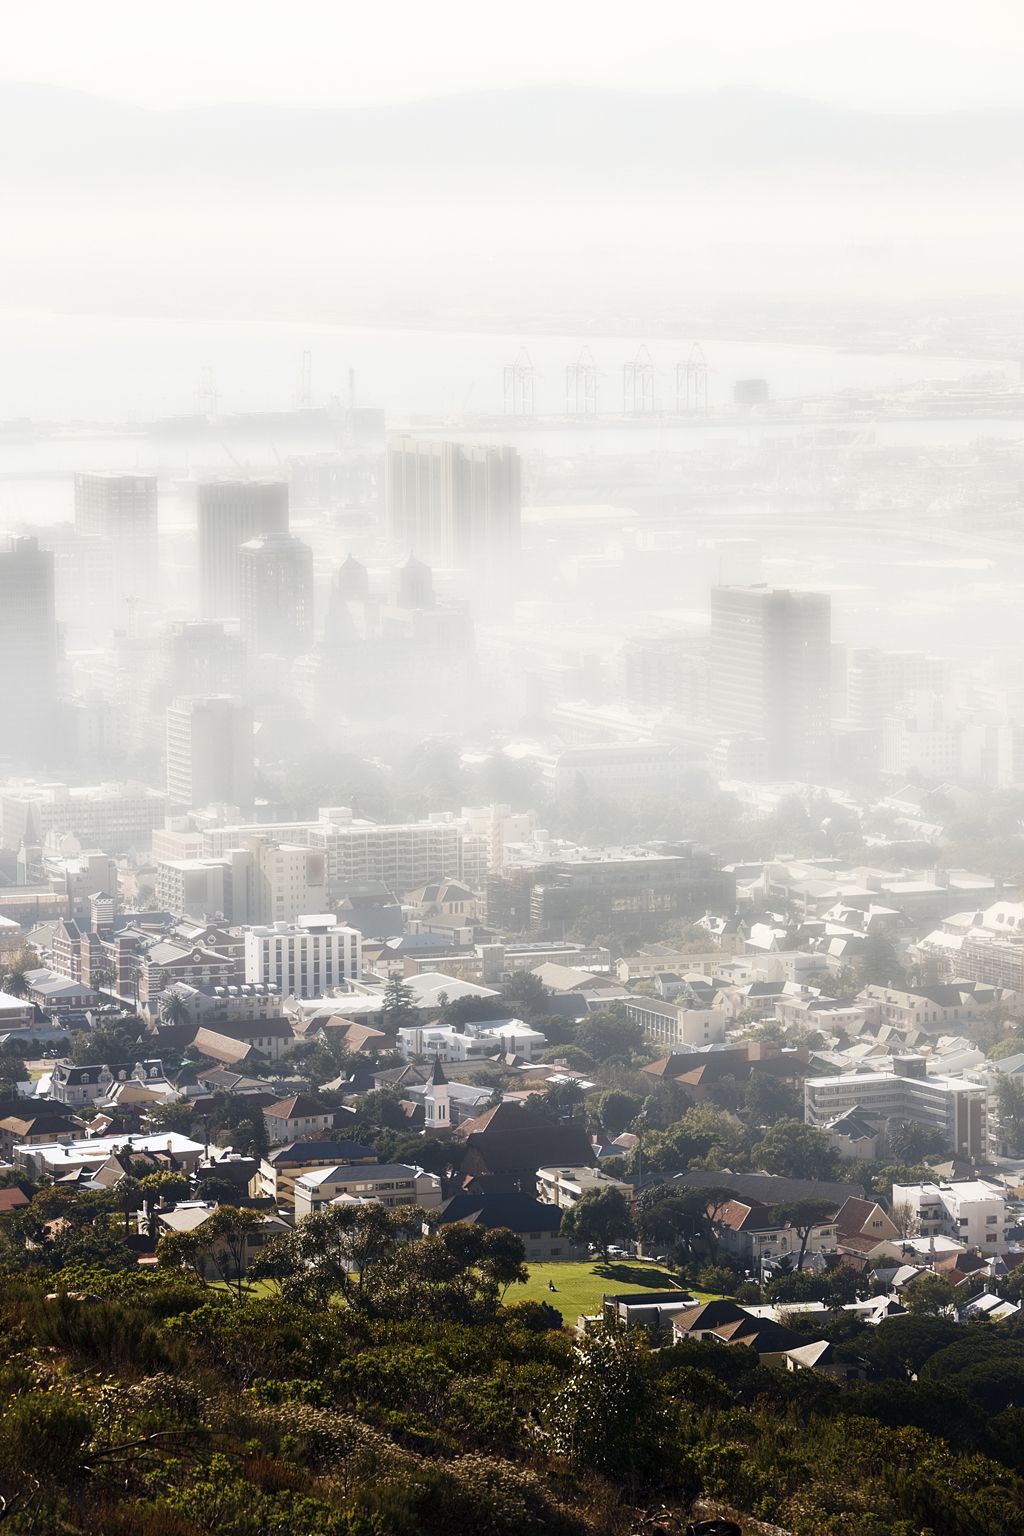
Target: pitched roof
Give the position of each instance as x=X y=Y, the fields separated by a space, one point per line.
x=769 y=1188
x=437 y=1077
x=311 y=1153
x=299 y=1107
x=519 y=1213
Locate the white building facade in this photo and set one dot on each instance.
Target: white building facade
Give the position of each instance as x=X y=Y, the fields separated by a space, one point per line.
x=305 y=959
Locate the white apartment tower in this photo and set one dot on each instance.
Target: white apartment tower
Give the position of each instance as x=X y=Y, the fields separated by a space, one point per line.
x=309 y=958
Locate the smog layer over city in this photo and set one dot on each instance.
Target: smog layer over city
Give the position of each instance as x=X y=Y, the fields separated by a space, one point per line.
x=512 y=769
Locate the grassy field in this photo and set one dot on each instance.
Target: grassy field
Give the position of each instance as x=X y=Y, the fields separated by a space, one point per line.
x=579 y=1287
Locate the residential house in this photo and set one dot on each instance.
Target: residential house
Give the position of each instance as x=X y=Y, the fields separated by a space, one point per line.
x=754 y=1235
x=188 y=1216
x=32 y=1127
x=80 y=1086
x=296 y=1117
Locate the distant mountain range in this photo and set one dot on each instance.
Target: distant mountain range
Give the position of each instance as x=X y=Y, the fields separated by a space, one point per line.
x=734 y=136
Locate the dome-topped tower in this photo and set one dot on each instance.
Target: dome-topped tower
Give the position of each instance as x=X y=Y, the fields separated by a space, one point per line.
x=415 y=585
x=352 y=582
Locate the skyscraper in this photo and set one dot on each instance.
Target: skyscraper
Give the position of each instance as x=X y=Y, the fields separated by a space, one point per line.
x=770 y=674
x=228 y=514
x=454 y=505
x=121 y=510
x=276 y=595
x=28 y=649
x=210 y=752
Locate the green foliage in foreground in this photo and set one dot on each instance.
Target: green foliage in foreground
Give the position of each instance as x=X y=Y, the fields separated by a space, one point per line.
x=162 y=1407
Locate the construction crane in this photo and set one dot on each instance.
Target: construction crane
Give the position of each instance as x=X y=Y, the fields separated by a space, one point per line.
x=692 y=383
x=638 y=385
x=518 y=380
x=581 y=385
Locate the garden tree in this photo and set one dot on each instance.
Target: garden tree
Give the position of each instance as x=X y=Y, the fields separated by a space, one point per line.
x=569 y=1056
x=727 y=1092
x=221 y=1243
x=382 y=1107
x=797 y=1151
x=399 y=1011
x=243 y=1127
x=721 y=1279
x=600 y=1218
x=1009 y=1045
x=767 y=1099
x=562 y=1100
x=336 y=1252
x=606 y=1033
x=441 y=1157
x=12 y=1070
x=458 y=1274
x=175 y=1115
x=704 y=1207
x=705 y=1136
x=15 y=981
x=662 y=1218
x=899 y=1346
x=905 y=1219
x=802 y=1216
x=111 y=1044
x=884 y=1175
x=373 y=1258
x=526 y=995
x=469 y=1010
x=717 y=1140
x=878 y=964
x=911 y=1142
x=314 y=1061
x=1010 y=1109
x=928 y=1296
x=166 y=1185
x=797 y=1286
x=609 y=1417
x=129 y=1196
x=614 y=1109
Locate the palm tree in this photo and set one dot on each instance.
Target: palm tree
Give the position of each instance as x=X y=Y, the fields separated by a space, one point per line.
x=174 y=1009
x=16 y=981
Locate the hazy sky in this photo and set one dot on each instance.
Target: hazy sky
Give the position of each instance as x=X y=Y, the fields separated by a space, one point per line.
x=908 y=55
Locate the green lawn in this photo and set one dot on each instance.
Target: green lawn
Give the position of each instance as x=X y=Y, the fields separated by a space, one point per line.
x=579 y=1287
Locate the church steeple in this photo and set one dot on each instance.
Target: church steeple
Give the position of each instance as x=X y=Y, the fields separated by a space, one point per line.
x=435 y=1099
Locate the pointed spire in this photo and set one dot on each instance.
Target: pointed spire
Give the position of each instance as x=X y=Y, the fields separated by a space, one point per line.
x=437 y=1077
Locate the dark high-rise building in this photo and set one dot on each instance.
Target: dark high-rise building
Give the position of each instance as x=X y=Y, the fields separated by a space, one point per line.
x=770 y=675
x=28 y=650
x=276 y=595
x=454 y=505
x=121 y=511
x=229 y=513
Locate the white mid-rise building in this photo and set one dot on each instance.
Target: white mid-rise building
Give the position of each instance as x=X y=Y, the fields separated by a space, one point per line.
x=666 y=1024
x=958 y=1110
x=476 y=1042
x=309 y=958
x=970 y=1210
